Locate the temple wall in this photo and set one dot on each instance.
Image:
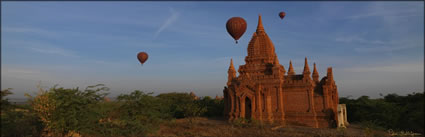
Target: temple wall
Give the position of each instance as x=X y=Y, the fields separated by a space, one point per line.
x=318 y=103
x=295 y=104
x=300 y=119
x=323 y=119
x=295 y=100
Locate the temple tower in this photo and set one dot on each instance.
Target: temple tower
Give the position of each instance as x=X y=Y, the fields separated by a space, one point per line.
x=264 y=92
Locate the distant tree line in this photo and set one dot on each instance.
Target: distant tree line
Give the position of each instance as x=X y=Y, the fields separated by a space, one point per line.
x=403 y=113
x=61 y=112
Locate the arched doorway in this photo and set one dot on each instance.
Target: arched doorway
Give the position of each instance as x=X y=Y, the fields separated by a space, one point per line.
x=247 y=108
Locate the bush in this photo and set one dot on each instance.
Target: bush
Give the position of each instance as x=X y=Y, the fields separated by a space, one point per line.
x=391 y=112
x=5 y=104
x=182 y=105
x=65 y=111
x=138 y=114
x=214 y=107
x=20 y=124
x=18 y=121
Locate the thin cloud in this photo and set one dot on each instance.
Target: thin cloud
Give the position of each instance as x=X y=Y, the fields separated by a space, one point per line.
x=54 y=51
x=174 y=16
x=20 y=71
x=350 y=39
x=106 y=63
x=60 y=34
x=407 y=13
x=23 y=73
x=199 y=31
x=42 y=47
x=396 y=68
x=384 y=48
x=397 y=10
x=35 y=31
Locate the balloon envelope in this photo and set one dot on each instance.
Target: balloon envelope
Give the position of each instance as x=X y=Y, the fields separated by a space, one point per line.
x=236 y=27
x=142 y=57
x=282 y=15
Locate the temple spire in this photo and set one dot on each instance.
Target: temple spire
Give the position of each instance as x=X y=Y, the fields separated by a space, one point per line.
x=306 y=68
x=315 y=74
x=291 y=69
x=260 y=24
x=231 y=73
x=330 y=75
x=231 y=67
x=276 y=61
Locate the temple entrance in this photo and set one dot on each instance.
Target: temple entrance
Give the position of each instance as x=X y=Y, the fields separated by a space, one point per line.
x=247 y=108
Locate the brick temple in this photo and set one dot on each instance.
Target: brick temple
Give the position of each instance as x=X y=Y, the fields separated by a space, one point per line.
x=265 y=91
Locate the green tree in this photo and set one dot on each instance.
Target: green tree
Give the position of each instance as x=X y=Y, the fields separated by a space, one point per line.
x=5 y=104
x=214 y=107
x=67 y=111
x=391 y=112
x=18 y=120
x=182 y=105
x=139 y=114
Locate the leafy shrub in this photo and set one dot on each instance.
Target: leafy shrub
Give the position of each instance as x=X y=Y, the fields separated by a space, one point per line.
x=139 y=114
x=391 y=112
x=18 y=121
x=214 y=107
x=65 y=111
x=182 y=105
x=5 y=104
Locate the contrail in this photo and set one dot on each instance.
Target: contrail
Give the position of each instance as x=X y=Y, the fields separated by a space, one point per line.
x=174 y=16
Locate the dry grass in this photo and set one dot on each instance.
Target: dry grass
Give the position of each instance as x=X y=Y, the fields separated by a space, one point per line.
x=215 y=127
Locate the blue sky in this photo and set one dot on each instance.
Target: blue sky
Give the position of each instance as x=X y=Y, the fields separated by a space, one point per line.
x=373 y=47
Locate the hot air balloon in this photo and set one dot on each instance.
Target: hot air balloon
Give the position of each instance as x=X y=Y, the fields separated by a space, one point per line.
x=236 y=27
x=282 y=14
x=142 y=56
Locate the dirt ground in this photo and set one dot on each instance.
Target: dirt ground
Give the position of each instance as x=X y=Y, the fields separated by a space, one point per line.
x=216 y=127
